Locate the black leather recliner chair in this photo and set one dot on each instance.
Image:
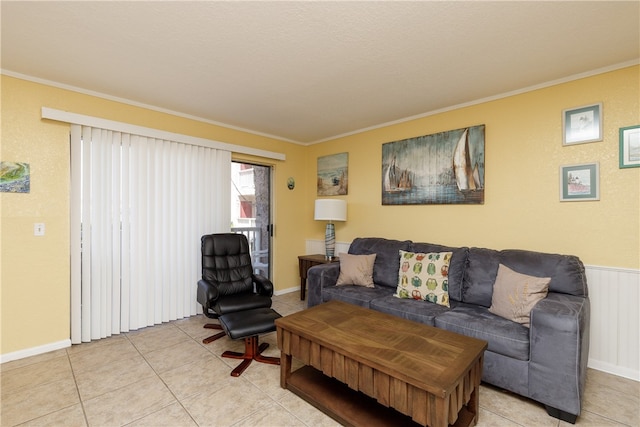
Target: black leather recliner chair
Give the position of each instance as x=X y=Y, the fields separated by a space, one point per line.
x=228 y=282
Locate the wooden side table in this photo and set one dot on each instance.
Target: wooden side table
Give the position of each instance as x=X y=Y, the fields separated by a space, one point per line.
x=305 y=262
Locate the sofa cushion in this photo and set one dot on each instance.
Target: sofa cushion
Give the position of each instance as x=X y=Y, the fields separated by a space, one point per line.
x=456 y=265
x=356 y=270
x=504 y=336
x=410 y=309
x=566 y=271
x=424 y=276
x=515 y=294
x=385 y=269
x=479 y=276
x=357 y=295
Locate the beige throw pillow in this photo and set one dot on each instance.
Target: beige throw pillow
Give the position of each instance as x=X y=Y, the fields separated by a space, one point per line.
x=356 y=270
x=515 y=294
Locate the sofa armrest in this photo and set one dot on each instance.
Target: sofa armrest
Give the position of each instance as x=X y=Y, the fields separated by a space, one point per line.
x=320 y=277
x=559 y=351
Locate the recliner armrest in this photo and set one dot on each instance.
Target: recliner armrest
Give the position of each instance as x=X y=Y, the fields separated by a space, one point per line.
x=207 y=293
x=263 y=285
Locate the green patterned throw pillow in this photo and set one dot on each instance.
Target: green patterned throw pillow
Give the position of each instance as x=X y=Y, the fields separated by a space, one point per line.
x=424 y=276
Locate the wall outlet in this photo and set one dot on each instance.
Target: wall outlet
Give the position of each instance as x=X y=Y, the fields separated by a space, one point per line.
x=38 y=229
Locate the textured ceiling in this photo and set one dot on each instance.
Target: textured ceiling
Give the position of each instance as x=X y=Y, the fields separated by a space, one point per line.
x=308 y=71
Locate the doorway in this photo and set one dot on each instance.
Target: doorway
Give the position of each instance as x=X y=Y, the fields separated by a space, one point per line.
x=251 y=211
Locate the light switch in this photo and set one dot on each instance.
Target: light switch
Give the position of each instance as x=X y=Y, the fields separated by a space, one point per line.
x=38 y=229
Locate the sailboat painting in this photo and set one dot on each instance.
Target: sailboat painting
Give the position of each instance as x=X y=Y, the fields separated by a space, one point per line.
x=442 y=168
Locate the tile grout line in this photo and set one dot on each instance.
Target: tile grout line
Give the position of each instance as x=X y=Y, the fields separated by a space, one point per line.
x=66 y=355
x=294 y=308
x=75 y=381
x=239 y=422
x=286 y=306
x=162 y=381
x=216 y=356
x=608 y=418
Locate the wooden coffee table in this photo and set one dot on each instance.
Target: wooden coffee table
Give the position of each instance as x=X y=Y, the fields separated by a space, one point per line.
x=356 y=356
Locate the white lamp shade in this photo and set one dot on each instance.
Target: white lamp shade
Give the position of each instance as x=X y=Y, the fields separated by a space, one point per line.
x=331 y=210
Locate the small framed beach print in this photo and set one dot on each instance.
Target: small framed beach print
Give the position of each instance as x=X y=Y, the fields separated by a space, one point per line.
x=333 y=175
x=582 y=124
x=580 y=182
x=630 y=147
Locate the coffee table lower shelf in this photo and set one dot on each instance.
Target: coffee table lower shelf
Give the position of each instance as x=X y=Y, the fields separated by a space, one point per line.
x=347 y=406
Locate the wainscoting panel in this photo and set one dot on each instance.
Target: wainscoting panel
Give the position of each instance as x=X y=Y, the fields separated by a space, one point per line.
x=317 y=247
x=615 y=324
x=614 y=294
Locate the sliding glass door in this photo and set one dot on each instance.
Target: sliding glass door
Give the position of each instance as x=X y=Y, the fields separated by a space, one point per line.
x=251 y=211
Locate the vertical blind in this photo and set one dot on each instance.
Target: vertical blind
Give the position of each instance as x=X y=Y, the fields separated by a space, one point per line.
x=139 y=208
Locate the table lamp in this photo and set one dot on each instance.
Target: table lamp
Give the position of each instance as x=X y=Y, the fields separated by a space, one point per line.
x=330 y=210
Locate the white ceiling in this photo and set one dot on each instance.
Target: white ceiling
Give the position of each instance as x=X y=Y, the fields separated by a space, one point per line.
x=307 y=71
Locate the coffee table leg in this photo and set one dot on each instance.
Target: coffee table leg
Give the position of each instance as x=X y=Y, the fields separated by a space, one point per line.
x=474 y=401
x=285 y=368
x=472 y=406
x=442 y=412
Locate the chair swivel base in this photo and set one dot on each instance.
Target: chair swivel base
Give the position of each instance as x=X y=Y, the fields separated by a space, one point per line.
x=252 y=351
x=248 y=325
x=212 y=338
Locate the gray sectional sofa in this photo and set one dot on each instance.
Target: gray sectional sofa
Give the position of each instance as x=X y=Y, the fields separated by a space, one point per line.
x=546 y=362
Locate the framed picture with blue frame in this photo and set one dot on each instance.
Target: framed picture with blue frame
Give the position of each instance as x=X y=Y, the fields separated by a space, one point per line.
x=580 y=182
x=630 y=147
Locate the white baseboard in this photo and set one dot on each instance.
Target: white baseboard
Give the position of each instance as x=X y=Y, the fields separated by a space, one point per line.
x=614 y=369
x=287 y=291
x=34 y=351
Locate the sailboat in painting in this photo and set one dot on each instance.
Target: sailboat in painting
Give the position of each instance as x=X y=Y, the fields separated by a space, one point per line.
x=467 y=178
x=396 y=179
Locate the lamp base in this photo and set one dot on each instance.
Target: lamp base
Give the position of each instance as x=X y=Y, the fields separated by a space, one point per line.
x=330 y=241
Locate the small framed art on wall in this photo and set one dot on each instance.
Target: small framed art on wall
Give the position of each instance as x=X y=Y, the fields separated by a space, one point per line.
x=580 y=182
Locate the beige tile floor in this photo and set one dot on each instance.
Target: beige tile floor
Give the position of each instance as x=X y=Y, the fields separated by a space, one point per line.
x=164 y=376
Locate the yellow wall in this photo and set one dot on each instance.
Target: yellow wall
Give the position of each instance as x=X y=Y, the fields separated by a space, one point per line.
x=35 y=270
x=522 y=209
x=523 y=143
